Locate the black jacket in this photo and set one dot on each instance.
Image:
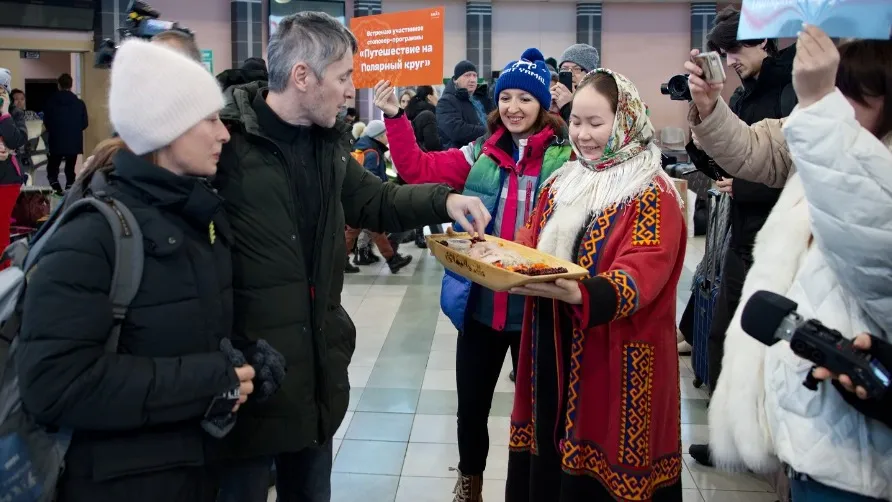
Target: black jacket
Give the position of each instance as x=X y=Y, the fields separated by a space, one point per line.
x=65 y=118
x=771 y=96
x=423 y=116
x=15 y=134
x=300 y=314
x=457 y=119
x=241 y=76
x=137 y=411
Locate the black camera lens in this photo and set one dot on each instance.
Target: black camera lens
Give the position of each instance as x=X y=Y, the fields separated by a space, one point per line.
x=677 y=88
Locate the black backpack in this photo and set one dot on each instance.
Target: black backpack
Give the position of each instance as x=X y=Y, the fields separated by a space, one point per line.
x=32 y=455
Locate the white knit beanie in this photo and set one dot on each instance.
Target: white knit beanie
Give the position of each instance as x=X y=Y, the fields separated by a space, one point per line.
x=157 y=94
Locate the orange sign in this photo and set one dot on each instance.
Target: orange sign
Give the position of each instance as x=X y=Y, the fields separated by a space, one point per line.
x=403 y=47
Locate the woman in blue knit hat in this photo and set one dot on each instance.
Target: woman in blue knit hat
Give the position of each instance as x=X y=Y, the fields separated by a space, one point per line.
x=523 y=146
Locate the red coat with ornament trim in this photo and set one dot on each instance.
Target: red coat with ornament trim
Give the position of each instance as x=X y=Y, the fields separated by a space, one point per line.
x=620 y=423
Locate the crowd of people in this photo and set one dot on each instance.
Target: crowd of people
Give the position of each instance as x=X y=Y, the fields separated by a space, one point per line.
x=251 y=188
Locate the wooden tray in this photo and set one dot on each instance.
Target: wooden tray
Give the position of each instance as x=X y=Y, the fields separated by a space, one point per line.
x=493 y=277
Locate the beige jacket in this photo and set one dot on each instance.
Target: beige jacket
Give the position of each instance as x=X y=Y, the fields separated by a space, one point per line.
x=740 y=149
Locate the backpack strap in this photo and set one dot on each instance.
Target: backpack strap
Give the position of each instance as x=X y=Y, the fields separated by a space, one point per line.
x=129 y=257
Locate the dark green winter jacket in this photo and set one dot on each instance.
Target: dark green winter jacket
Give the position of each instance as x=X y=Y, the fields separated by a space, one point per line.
x=274 y=298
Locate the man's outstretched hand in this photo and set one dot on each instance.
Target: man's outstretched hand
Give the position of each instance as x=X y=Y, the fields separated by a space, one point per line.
x=460 y=207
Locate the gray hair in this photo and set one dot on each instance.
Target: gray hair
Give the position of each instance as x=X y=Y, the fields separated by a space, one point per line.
x=314 y=38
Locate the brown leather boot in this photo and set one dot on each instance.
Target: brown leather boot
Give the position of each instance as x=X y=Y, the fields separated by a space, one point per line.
x=468 y=488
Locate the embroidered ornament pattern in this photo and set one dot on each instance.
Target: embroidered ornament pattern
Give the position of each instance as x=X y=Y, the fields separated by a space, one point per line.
x=635 y=411
x=521 y=437
x=647 y=222
x=626 y=292
x=597 y=235
x=585 y=458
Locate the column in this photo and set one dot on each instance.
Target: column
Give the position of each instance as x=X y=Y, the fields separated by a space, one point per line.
x=364 y=102
x=108 y=17
x=588 y=25
x=479 y=37
x=247 y=31
x=366 y=8
x=702 y=19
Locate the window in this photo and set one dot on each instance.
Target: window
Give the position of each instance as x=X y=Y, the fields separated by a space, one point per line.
x=278 y=9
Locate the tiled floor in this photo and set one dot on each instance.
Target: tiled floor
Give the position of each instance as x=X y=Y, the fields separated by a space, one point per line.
x=398 y=440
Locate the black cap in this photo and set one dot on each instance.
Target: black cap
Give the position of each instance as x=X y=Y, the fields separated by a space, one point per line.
x=463 y=67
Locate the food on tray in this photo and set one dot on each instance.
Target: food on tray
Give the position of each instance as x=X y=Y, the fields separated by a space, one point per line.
x=495 y=254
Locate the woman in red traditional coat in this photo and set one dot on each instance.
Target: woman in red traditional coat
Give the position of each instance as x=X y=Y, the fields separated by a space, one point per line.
x=596 y=411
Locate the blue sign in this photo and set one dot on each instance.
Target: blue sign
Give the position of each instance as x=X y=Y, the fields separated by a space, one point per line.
x=869 y=19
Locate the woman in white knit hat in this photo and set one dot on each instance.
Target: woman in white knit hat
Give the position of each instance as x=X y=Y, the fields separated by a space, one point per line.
x=142 y=417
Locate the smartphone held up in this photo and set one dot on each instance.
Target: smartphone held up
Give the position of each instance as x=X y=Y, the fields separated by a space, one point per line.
x=566 y=79
x=711 y=64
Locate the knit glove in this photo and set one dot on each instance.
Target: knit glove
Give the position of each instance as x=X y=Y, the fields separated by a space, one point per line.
x=218 y=424
x=269 y=368
x=268 y=364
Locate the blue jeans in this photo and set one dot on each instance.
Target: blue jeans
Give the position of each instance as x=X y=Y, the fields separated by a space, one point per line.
x=301 y=476
x=809 y=490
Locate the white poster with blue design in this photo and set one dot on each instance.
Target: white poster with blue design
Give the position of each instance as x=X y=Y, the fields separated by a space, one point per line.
x=870 y=19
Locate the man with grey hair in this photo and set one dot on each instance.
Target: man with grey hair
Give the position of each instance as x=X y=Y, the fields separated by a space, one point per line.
x=290 y=186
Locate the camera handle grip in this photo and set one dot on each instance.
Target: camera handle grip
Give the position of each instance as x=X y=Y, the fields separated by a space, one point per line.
x=810 y=382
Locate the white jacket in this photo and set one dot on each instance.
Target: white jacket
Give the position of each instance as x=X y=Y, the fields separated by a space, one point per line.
x=760 y=412
x=838 y=161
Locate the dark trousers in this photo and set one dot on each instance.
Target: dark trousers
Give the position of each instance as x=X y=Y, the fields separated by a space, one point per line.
x=179 y=484
x=52 y=170
x=480 y=353
x=734 y=270
x=302 y=476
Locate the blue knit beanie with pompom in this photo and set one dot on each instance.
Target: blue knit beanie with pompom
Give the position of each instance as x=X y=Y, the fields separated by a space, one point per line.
x=529 y=73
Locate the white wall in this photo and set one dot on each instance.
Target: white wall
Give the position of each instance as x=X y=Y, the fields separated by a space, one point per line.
x=454 y=26
x=550 y=27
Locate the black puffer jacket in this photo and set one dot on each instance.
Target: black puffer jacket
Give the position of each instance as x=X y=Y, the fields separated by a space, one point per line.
x=771 y=96
x=276 y=299
x=423 y=116
x=65 y=118
x=137 y=411
x=14 y=132
x=457 y=119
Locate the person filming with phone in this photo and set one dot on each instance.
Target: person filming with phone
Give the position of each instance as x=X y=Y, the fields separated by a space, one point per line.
x=576 y=61
x=767 y=92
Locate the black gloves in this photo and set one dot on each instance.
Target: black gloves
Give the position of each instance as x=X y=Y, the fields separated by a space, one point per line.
x=879 y=408
x=269 y=372
x=269 y=367
x=219 y=418
x=268 y=364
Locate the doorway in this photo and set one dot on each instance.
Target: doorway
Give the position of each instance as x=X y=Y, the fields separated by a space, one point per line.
x=38 y=91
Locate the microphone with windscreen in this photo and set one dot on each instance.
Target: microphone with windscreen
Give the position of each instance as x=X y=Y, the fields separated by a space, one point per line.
x=769 y=317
